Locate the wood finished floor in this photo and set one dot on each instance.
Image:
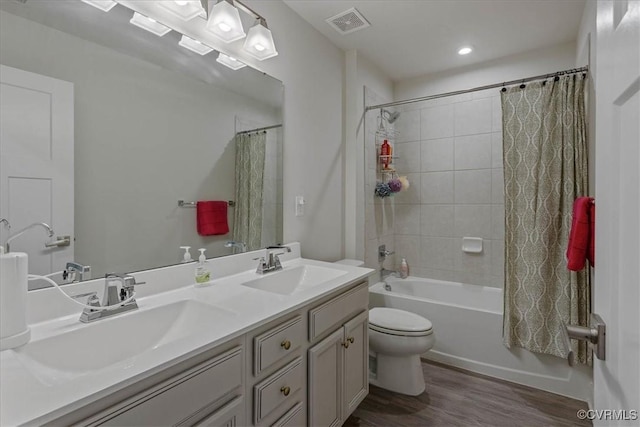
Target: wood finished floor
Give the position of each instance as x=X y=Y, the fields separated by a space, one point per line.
x=454 y=397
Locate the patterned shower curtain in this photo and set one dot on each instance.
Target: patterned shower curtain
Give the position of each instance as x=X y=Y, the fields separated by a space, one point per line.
x=250 y=154
x=545 y=170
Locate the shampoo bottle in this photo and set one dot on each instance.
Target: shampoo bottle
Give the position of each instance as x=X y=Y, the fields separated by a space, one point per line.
x=404 y=269
x=202 y=272
x=385 y=154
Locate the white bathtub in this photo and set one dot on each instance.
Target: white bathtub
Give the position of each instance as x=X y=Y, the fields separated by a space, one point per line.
x=467 y=322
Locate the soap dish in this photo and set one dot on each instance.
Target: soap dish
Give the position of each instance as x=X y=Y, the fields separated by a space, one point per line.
x=472 y=245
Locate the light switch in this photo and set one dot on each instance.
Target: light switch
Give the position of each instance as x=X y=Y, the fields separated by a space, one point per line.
x=300 y=205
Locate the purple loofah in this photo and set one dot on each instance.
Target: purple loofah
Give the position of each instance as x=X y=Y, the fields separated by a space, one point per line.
x=382 y=190
x=395 y=185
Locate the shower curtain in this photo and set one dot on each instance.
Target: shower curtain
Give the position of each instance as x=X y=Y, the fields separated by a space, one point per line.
x=250 y=154
x=545 y=170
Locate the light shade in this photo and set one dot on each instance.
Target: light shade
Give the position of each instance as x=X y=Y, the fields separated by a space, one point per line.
x=194 y=45
x=149 y=24
x=183 y=9
x=230 y=62
x=224 y=22
x=103 y=5
x=259 y=42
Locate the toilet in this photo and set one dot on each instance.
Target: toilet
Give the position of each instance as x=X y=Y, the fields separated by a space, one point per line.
x=397 y=338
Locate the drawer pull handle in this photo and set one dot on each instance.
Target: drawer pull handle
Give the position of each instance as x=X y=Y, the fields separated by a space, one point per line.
x=349 y=340
x=285 y=390
x=286 y=344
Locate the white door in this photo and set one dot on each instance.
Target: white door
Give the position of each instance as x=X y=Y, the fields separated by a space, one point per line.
x=36 y=164
x=617 y=263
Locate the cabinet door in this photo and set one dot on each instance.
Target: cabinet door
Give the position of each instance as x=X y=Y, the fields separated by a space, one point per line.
x=230 y=415
x=325 y=381
x=356 y=362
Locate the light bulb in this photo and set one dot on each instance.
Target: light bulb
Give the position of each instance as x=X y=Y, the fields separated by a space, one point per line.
x=181 y=2
x=259 y=47
x=464 y=50
x=224 y=27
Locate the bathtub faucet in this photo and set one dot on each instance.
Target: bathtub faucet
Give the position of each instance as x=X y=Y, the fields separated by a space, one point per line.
x=384 y=273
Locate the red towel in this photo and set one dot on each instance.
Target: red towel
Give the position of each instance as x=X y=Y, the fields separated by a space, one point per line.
x=580 y=236
x=212 y=218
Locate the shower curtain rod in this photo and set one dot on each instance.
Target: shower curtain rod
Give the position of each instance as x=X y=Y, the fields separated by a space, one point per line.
x=258 y=129
x=476 y=89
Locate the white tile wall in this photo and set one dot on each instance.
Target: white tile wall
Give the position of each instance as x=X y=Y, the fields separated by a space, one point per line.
x=473 y=186
x=437 y=122
x=473 y=117
x=437 y=155
x=473 y=152
x=437 y=187
x=451 y=151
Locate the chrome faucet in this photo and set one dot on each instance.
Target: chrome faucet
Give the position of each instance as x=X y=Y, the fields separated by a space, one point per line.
x=24 y=230
x=75 y=270
x=6 y=223
x=236 y=245
x=272 y=262
x=112 y=298
x=383 y=253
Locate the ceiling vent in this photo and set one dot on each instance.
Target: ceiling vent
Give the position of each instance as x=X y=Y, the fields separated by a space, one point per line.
x=348 y=21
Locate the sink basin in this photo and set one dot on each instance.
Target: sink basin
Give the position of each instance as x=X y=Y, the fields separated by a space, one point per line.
x=292 y=280
x=119 y=340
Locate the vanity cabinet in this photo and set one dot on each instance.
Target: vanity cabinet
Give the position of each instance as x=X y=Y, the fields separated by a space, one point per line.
x=338 y=364
x=306 y=367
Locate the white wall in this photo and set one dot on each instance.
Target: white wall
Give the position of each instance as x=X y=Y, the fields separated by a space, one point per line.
x=311 y=68
x=145 y=137
x=527 y=64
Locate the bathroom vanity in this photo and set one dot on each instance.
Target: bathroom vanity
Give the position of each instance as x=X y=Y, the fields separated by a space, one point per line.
x=287 y=348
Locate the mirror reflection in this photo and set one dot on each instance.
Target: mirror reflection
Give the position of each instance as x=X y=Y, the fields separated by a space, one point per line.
x=106 y=127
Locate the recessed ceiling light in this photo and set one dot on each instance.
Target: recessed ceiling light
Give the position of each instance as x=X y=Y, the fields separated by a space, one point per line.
x=465 y=50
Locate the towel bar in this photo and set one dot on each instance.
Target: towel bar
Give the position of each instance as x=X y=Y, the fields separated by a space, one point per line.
x=183 y=204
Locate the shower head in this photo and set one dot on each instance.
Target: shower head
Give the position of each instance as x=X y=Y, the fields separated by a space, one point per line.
x=390 y=116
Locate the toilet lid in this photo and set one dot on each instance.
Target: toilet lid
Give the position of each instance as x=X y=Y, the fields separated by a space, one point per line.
x=394 y=320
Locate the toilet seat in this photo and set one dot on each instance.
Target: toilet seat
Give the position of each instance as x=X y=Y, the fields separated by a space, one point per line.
x=398 y=322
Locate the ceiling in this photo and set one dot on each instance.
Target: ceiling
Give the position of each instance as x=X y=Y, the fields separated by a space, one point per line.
x=409 y=38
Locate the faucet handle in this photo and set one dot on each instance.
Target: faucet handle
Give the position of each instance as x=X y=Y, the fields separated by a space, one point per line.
x=92 y=299
x=262 y=265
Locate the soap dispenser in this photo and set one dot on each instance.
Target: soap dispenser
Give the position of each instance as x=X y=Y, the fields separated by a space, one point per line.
x=187 y=255
x=202 y=272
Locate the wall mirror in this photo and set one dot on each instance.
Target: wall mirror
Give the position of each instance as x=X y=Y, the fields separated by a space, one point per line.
x=151 y=123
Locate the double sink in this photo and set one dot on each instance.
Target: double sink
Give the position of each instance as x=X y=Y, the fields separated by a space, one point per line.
x=120 y=341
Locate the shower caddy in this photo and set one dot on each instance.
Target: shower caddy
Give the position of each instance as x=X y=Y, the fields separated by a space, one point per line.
x=388 y=182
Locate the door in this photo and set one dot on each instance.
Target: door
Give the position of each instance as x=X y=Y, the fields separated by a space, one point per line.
x=325 y=381
x=356 y=362
x=36 y=164
x=617 y=270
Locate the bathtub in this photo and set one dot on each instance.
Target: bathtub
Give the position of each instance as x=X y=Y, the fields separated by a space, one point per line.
x=467 y=322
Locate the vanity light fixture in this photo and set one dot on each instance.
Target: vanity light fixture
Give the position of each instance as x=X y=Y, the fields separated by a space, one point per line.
x=103 y=5
x=183 y=9
x=230 y=61
x=465 y=50
x=149 y=24
x=194 y=45
x=259 y=42
x=224 y=22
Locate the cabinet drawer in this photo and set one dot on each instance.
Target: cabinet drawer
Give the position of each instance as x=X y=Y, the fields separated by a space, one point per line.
x=277 y=343
x=293 y=418
x=334 y=312
x=279 y=388
x=192 y=392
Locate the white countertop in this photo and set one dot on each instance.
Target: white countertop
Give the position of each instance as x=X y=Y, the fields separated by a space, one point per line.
x=26 y=397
